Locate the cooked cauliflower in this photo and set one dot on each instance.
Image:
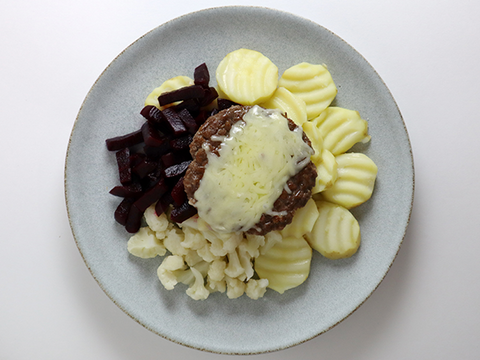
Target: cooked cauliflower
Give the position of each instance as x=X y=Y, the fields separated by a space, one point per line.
x=198 y=291
x=216 y=271
x=256 y=288
x=235 y=287
x=213 y=285
x=166 y=270
x=145 y=244
x=234 y=268
x=154 y=222
x=194 y=239
x=173 y=242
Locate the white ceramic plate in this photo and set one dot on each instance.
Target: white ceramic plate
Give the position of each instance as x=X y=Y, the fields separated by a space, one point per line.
x=334 y=289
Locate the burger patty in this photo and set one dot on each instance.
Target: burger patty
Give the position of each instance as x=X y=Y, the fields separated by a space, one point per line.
x=209 y=137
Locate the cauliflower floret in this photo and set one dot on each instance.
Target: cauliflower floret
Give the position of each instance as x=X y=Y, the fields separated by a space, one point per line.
x=235 y=287
x=187 y=277
x=156 y=223
x=206 y=254
x=194 y=239
x=271 y=239
x=214 y=285
x=166 y=270
x=245 y=262
x=192 y=258
x=256 y=288
x=173 y=242
x=234 y=268
x=198 y=291
x=144 y=244
x=251 y=244
x=216 y=271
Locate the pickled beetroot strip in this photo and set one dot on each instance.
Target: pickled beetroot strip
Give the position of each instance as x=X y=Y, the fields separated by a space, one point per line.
x=124 y=141
x=184 y=93
x=201 y=75
x=174 y=122
x=124 y=169
x=183 y=212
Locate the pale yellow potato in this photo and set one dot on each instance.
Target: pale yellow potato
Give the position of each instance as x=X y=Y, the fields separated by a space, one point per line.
x=247 y=77
x=289 y=104
x=286 y=265
x=355 y=181
x=316 y=139
x=311 y=83
x=341 y=129
x=336 y=234
x=174 y=83
x=303 y=221
x=326 y=172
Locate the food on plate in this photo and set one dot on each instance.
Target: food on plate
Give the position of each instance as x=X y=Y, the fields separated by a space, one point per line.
x=244 y=143
x=355 y=180
x=247 y=77
x=235 y=185
x=311 y=83
x=341 y=129
x=336 y=233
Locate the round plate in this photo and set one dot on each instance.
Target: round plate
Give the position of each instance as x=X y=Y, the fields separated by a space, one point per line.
x=334 y=289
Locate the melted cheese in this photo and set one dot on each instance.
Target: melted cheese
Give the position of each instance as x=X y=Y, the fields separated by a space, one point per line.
x=255 y=161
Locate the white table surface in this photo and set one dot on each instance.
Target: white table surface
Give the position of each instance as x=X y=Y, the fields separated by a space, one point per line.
x=427 y=52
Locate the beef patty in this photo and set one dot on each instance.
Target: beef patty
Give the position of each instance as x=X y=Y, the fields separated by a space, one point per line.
x=209 y=136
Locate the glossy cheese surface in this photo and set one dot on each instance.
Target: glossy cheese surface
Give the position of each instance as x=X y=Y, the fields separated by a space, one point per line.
x=256 y=159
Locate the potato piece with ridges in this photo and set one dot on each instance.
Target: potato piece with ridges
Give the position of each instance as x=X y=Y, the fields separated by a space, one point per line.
x=316 y=139
x=326 y=172
x=286 y=265
x=341 y=129
x=311 y=83
x=303 y=221
x=174 y=83
x=289 y=104
x=355 y=181
x=336 y=234
x=247 y=77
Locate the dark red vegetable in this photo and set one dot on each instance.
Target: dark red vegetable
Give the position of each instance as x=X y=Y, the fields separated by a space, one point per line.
x=178 y=193
x=223 y=104
x=181 y=143
x=152 y=114
x=134 y=219
x=177 y=169
x=162 y=205
x=120 y=142
x=183 y=212
x=121 y=213
x=174 y=122
x=132 y=190
x=151 y=136
x=144 y=167
x=124 y=169
x=201 y=76
x=184 y=93
x=152 y=195
x=188 y=121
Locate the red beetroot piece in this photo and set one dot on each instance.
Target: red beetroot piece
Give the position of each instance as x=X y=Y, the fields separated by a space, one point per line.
x=183 y=212
x=174 y=122
x=188 y=121
x=121 y=142
x=201 y=76
x=132 y=190
x=184 y=93
x=177 y=169
x=124 y=169
x=178 y=193
x=121 y=213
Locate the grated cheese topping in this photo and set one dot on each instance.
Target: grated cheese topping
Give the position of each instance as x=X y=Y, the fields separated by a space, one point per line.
x=254 y=164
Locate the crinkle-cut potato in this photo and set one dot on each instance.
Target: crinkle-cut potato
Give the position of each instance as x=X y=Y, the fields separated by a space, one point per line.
x=289 y=104
x=336 y=234
x=341 y=129
x=317 y=142
x=247 y=77
x=355 y=180
x=311 y=83
x=286 y=265
x=174 y=83
x=303 y=221
x=327 y=172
